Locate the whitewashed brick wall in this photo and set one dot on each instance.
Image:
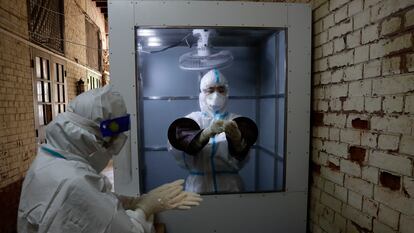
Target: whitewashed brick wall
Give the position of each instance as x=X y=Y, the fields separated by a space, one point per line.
x=363 y=103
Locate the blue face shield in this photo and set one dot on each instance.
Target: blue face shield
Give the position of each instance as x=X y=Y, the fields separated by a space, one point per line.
x=115 y=126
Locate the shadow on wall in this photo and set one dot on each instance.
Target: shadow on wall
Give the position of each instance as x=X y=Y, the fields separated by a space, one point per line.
x=9 y=202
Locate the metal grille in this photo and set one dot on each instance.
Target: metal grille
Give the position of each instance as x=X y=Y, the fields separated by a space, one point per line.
x=93 y=50
x=46 y=20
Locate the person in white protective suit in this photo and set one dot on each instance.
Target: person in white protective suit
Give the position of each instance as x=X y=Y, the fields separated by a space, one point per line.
x=212 y=144
x=63 y=190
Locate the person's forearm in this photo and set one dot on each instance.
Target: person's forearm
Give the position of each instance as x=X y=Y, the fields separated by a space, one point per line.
x=238 y=145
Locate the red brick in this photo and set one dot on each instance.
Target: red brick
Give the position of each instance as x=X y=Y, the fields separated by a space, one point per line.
x=316 y=168
x=317 y=119
x=333 y=166
x=357 y=154
x=390 y=181
x=360 y=124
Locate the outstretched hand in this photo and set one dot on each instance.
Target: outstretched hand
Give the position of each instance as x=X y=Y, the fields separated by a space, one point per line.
x=166 y=197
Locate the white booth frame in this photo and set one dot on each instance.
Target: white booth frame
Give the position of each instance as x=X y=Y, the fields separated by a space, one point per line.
x=284 y=211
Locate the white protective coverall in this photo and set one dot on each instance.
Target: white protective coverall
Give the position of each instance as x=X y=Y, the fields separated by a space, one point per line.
x=63 y=190
x=213 y=168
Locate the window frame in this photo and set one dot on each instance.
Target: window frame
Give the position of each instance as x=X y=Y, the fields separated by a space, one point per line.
x=33 y=35
x=288 y=207
x=52 y=61
x=91 y=48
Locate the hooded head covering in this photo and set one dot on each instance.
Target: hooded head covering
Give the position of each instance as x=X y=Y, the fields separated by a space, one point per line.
x=77 y=130
x=213 y=103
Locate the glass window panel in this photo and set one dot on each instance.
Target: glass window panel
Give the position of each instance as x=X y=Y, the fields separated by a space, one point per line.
x=46 y=87
x=48 y=113
x=38 y=68
x=57 y=72
x=60 y=94
x=62 y=75
x=45 y=66
x=64 y=107
x=39 y=91
x=40 y=113
x=56 y=93
x=254 y=73
x=62 y=98
x=49 y=87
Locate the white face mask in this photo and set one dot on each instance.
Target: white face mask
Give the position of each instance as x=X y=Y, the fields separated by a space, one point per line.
x=99 y=159
x=115 y=145
x=215 y=101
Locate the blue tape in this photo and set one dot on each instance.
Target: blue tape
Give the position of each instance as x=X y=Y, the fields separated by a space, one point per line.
x=53 y=153
x=217 y=76
x=220 y=116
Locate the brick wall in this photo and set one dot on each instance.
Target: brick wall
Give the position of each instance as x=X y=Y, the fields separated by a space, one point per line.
x=74 y=22
x=16 y=95
x=363 y=119
x=17 y=135
x=16 y=110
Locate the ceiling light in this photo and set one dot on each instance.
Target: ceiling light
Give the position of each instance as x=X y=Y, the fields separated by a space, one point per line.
x=154 y=39
x=154 y=44
x=146 y=32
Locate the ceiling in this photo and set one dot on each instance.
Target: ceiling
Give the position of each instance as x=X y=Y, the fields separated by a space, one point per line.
x=222 y=37
x=103 y=6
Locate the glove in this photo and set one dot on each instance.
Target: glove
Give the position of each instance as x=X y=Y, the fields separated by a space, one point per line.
x=160 y=199
x=232 y=131
x=167 y=196
x=234 y=135
x=188 y=200
x=215 y=128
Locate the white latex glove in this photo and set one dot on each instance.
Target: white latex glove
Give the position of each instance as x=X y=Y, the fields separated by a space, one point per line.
x=188 y=200
x=166 y=197
x=234 y=135
x=232 y=131
x=161 y=198
x=183 y=201
x=215 y=128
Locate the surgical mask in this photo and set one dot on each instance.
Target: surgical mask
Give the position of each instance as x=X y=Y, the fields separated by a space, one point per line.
x=114 y=146
x=99 y=159
x=215 y=101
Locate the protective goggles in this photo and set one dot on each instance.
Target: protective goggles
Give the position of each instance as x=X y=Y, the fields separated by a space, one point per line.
x=115 y=126
x=219 y=89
